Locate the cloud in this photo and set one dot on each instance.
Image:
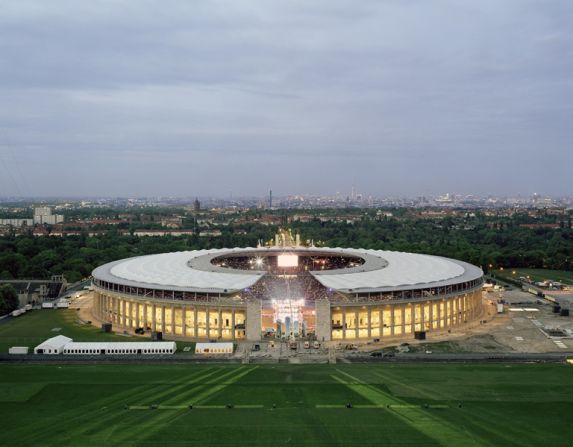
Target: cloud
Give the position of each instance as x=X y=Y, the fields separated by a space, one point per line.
x=304 y=95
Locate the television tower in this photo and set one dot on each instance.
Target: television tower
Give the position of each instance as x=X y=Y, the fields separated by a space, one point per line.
x=270 y=198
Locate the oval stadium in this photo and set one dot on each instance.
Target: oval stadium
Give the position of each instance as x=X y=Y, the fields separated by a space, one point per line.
x=288 y=290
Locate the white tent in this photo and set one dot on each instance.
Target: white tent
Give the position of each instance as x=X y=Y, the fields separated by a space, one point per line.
x=54 y=345
x=65 y=345
x=121 y=348
x=214 y=348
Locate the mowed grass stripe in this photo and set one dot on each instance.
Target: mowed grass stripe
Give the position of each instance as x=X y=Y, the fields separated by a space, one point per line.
x=167 y=391
x=395 y=381
x=100 y=416
x=387 y=406
x=196 y=407
x=63 y=413
x=158 y=421
x=99 y=422
x=152 y=399
x=426 y=423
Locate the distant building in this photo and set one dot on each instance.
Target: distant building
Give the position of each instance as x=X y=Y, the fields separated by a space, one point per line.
x=172 y=222
x=42 y=211
x=17 y=222
x=541 y=226
x=197 y=205
x=43 y=215
x=37 y=291
x=210 y=233
x=175 y=233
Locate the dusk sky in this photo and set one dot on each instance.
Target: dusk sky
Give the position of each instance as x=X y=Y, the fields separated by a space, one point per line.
x=208 y=98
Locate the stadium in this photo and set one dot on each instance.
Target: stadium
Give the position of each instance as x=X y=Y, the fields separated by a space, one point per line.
x=286 y=290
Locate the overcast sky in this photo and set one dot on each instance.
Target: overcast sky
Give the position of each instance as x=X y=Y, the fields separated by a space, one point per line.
x=186 y=98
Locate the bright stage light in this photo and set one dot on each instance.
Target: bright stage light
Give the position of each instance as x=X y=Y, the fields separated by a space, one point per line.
x=287 y=260
x=288 y=308
x=259 y=262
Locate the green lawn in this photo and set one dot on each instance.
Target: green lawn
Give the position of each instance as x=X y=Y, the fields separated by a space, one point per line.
x=563 y=276
x=34 y=327
x=405 y=405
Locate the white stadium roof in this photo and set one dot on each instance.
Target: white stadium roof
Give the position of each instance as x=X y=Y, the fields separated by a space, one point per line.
x=403 y=270
x=192 y=271
x=171 y=269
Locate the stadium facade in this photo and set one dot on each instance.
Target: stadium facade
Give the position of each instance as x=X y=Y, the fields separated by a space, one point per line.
x=285 y=291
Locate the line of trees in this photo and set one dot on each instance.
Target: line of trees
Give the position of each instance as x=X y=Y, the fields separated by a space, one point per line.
x=481 y=242
x=8 y=299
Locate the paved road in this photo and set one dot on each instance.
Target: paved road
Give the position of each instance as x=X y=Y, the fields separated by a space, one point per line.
x=551 y=357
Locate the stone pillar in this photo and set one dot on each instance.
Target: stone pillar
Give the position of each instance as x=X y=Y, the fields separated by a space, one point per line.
x=323 y=319
x=369 y=322
x=392 y=320
x=173 y=319
x=412 y=318
x=220 y=326
x=153 y=317
x=253 y=320
x=184 y=320
x=163 y=319
x=195 y=324
x=431 y=314
x=207 y=323
x=233 y=336
x=123 y=312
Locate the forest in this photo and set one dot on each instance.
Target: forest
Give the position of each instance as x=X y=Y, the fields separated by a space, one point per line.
x=489 y=243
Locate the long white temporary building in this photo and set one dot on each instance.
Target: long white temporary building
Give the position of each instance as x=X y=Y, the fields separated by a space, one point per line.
x=65 y=345
x=214 y=348
x=121 y=348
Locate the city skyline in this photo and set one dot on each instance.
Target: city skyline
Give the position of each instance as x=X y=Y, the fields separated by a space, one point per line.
x=398 y=98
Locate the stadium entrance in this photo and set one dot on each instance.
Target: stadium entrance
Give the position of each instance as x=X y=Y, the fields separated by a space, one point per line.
x=288 y=305
x=288 y=318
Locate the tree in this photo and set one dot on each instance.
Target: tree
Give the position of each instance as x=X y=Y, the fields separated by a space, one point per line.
x=8 y=299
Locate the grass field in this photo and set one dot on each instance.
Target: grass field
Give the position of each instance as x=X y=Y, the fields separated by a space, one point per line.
x=34 y=327
x=392 y=405
x=537 y=274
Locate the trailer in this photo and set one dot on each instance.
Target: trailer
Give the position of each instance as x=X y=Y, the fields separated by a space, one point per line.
x=18 y=350
x=47 y=305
